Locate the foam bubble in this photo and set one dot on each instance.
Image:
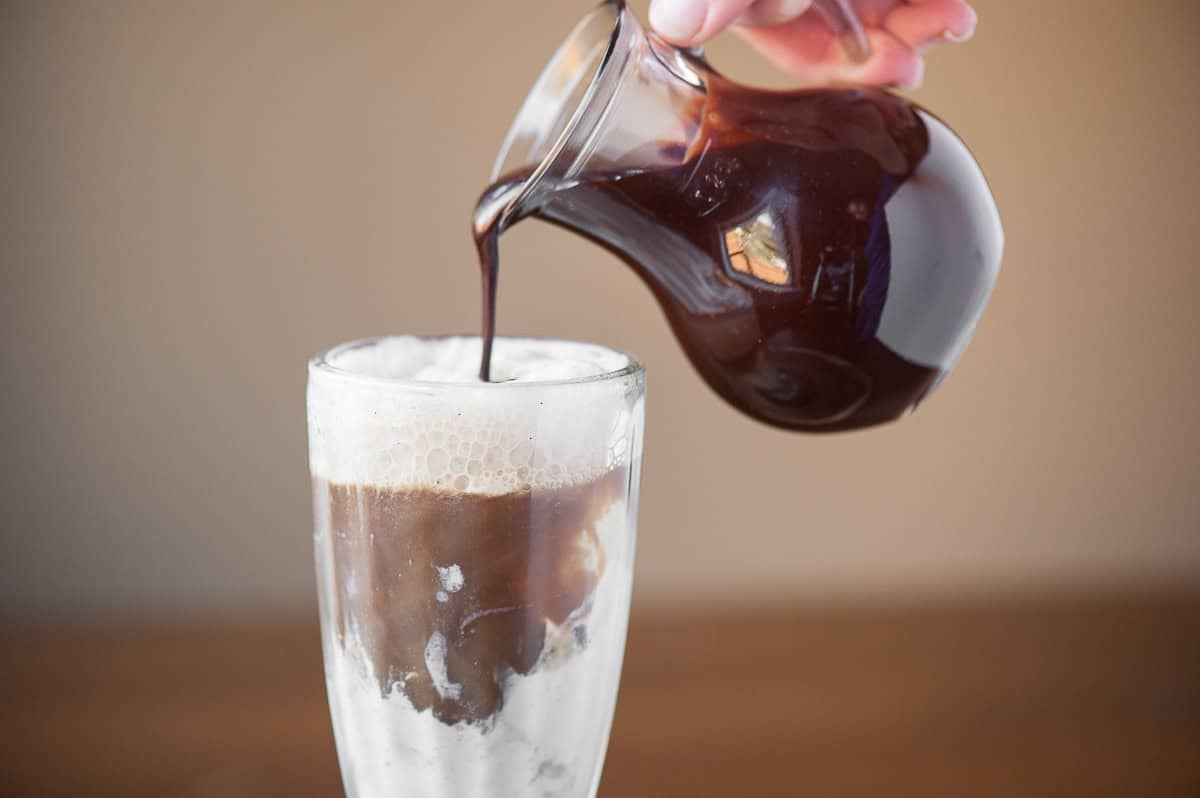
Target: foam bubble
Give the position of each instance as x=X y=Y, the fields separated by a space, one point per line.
x=411 y=412
x=455 y=359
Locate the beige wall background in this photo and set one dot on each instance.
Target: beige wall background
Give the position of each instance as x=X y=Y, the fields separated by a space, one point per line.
x=197 y=196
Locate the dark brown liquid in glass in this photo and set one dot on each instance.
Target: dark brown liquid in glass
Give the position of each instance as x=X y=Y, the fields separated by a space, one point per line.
x=768 y=248
x=528 y=561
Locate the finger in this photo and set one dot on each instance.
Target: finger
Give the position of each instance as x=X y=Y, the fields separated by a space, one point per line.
x=691 y=22
x=924 y=22
x=892 y=63
x=804 y=48
x=773 y=12
x=871 y=12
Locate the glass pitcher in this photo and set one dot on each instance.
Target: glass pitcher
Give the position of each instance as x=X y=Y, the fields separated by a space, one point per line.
x=822 y=255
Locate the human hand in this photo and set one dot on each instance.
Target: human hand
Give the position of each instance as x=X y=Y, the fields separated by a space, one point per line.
x=795 y=36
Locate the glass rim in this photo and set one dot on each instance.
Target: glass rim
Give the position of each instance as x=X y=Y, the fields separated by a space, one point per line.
x=323 y=363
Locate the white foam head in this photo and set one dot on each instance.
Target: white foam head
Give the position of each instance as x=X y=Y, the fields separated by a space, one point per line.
x=410 y=412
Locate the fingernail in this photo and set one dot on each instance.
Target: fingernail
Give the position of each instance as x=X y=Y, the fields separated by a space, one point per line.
x=678 y=20
x=958 y=38
x=966 y=29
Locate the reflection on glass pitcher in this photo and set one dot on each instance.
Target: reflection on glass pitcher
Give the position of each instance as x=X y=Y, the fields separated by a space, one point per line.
x=756 y=250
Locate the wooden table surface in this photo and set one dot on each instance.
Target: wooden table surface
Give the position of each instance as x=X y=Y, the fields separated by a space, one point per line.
x=1082 y=698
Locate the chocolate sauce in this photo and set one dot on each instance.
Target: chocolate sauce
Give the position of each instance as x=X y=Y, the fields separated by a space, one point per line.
x=767 y=247
x=452 y=593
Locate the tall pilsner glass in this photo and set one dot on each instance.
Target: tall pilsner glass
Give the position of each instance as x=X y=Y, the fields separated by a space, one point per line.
x=474 y=553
